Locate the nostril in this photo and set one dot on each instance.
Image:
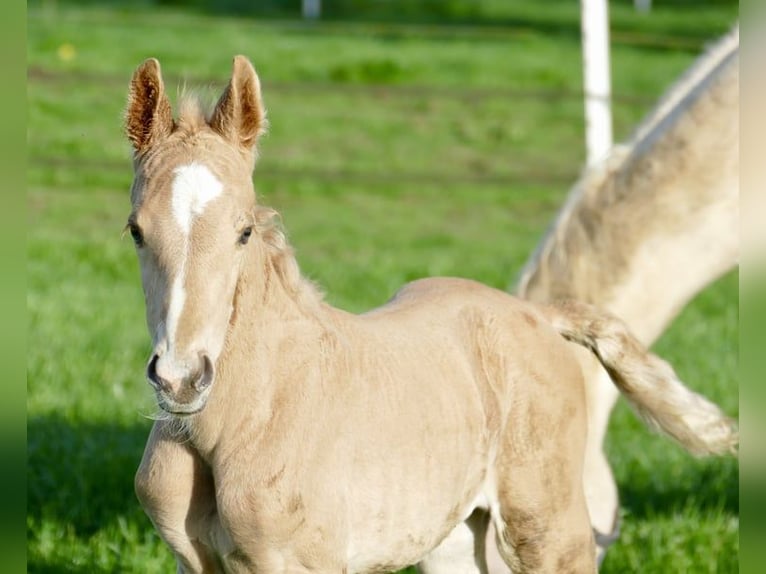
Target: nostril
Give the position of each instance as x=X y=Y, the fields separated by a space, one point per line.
x=151 y=373
x=205 y=374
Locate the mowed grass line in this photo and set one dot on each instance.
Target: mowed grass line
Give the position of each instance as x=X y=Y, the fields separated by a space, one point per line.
x=360 y=237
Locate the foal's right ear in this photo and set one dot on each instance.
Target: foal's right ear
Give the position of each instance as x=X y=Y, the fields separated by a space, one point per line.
x=149 y=117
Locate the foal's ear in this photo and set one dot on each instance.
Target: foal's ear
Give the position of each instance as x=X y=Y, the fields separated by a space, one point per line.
x=239 y=115
x=149 y=117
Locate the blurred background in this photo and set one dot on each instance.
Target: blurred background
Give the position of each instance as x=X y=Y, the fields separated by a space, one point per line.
x=407 y=139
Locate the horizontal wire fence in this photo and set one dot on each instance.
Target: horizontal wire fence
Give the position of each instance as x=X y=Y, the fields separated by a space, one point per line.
x=532 y=172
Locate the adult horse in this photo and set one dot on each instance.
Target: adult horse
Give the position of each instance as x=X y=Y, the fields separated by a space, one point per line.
x=646 y=230
x=301 y=438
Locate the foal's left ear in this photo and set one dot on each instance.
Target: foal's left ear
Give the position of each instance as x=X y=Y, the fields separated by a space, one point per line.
x=239 y=115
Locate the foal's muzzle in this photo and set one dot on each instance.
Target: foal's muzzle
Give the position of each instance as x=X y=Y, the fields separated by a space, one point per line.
x=180 y=389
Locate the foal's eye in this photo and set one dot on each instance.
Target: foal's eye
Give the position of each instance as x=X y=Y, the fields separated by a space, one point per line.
x=135 y=233
x=245 y=237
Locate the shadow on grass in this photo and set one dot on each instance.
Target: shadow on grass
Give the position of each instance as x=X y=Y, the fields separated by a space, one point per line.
x=82 y=474
x=709 y=485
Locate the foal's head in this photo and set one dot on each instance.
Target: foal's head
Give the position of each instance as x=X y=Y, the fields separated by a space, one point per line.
x=193 y=212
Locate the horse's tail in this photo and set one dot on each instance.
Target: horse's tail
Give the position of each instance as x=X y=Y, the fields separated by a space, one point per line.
x=647 y=382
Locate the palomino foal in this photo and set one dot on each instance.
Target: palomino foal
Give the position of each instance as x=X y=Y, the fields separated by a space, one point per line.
x=301 y=438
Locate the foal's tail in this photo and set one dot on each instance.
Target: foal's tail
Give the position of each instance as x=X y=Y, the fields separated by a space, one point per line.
x=647 y=382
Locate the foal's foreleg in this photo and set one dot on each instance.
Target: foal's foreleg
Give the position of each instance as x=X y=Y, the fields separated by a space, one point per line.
x=175 y=488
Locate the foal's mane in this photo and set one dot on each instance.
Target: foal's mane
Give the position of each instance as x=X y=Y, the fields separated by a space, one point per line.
x=268 y=224
x=193 y=117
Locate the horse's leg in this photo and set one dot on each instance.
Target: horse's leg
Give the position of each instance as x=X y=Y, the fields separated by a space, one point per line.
x=542 y=520
x=540 y=513
x=598 y=480
x=462 y=552
x=176 y=491
x=495 y=562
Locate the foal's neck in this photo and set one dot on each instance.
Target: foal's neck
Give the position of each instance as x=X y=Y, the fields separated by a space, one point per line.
x=272 y=308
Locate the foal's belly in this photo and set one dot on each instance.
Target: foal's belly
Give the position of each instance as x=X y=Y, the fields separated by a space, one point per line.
x=406 y=518
x=421 y=483
x=393 y=516
x=409 y=534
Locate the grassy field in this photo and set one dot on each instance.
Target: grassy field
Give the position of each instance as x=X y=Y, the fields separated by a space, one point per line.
x=396 y=151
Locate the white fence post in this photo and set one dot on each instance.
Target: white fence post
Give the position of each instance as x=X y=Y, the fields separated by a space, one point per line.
x=643 y=5
x=594 y=20
x=312 y=9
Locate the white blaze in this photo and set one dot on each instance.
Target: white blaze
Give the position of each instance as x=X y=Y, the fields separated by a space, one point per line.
x=194 y=186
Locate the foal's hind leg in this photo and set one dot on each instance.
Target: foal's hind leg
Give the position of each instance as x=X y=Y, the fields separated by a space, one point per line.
x=175 y=489
x=542 y=520
x=541 y=517
x=462 y=552
x=598 y=481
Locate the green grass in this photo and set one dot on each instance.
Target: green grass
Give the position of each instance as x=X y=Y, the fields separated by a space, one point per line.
x=396 y=151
